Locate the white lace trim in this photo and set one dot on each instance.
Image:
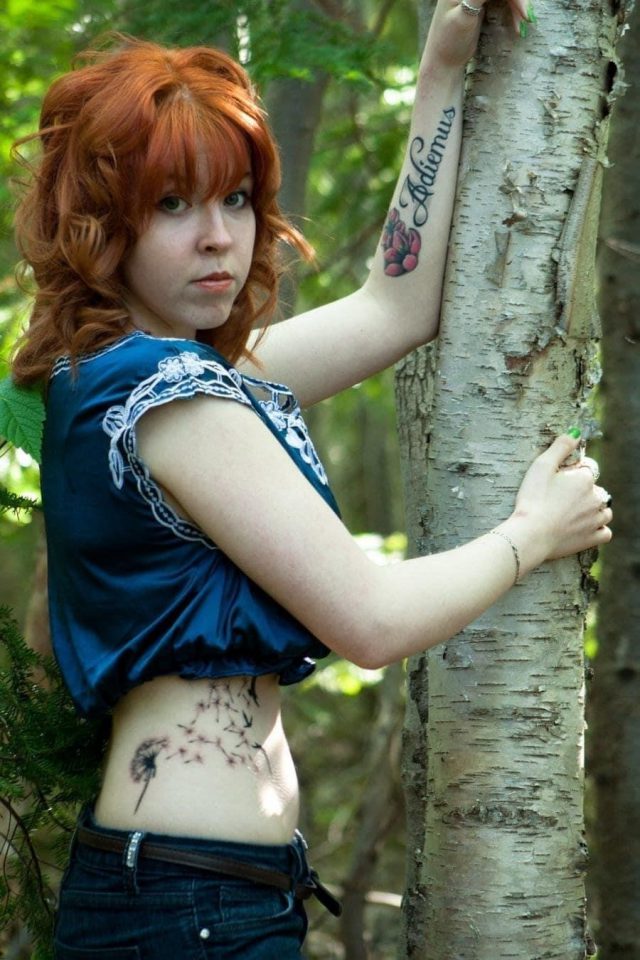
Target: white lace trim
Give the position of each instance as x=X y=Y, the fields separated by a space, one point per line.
x=283 y=411
x=180 y=376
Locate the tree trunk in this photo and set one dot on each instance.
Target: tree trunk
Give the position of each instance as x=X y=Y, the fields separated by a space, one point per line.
x=415 y=376
x=414 y=397
x=614 y=701
x=499 y=855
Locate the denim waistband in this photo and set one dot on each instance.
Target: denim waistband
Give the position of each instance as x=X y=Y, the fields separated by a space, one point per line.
x=289 y=857
x=287 y=860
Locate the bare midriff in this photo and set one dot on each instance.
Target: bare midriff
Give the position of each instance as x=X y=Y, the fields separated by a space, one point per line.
x=202 y=758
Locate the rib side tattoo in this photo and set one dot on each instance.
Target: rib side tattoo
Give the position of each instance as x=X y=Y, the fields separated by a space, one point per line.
x=232 y=711
x=401 y=244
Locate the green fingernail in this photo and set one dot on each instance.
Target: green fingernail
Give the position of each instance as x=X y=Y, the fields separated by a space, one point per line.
x=574 y=432
x=523 y=29
x=531 y=14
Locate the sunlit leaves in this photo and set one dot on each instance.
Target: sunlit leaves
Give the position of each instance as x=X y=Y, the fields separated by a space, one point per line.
x=31 y=13
x=21 y=416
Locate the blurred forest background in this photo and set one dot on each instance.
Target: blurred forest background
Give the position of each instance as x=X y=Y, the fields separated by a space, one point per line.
x=337 y=79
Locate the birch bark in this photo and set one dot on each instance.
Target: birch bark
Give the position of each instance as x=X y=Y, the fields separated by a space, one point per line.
x=414 y=379
x=499 y=869
x=614 y=701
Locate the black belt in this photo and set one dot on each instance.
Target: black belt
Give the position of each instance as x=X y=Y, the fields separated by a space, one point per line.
x=206 y=861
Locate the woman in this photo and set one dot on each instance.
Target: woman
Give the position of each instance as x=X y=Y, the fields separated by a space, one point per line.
x=197 y=561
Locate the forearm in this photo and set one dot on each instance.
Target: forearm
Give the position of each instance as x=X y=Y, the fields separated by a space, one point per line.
x=407 y=274
x=422 y=602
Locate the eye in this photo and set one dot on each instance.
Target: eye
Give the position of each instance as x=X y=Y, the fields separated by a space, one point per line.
x=172 y=204
x=238 y=199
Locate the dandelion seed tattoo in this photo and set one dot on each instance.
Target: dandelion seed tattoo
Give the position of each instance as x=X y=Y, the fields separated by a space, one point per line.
x=231 y=709
x=401 y=244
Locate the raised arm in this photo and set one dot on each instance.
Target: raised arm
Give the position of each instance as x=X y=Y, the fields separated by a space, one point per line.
x=321 y=352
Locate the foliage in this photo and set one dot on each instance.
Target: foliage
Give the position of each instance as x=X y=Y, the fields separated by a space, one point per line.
x=13 y=501
x=21 y=416
x=276 y=39
x=49 y=763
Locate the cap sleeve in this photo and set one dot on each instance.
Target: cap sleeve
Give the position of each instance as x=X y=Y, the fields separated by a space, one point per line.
x=184 y=373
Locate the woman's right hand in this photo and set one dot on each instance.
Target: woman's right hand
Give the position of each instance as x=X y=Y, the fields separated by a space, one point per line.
x=562 y=503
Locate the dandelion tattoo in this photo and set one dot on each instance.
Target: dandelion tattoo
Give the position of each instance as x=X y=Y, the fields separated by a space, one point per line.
x=401 y=244
x=143 y=765
x=231 y=709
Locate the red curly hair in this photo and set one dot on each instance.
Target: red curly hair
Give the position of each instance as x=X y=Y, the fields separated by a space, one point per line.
x=112 y=132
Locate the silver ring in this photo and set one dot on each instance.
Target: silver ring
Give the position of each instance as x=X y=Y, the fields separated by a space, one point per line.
x=605 y=499
x=470 y=9
x=591 y=465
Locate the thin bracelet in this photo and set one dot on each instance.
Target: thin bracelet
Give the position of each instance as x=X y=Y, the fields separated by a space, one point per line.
x=516 y=555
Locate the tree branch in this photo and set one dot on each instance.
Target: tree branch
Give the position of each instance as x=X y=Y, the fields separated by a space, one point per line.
x=35 y=863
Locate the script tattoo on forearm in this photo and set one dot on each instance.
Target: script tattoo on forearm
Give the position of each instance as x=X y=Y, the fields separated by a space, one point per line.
x=401 y=244
x=418 y=186
x=230 y=710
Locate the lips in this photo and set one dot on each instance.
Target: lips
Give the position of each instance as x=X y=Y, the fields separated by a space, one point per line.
x=216 y=282
x=214 y=277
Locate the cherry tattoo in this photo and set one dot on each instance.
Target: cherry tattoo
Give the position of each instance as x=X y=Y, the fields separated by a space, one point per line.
x=400 y=245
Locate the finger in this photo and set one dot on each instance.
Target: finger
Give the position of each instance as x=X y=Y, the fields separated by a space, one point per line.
x=601 y=536
x=522 y=14
x=561 y=448
x=603 y=496
x=470 y=10
x=590 y=464
x=606 y=516
x=521 y=8
x=520 y=11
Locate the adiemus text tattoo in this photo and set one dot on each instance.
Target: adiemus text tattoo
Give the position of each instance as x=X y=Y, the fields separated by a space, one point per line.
x=231 y=709
x=401 y=244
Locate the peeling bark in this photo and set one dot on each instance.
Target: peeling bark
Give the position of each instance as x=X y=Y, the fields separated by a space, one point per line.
x=500 y=870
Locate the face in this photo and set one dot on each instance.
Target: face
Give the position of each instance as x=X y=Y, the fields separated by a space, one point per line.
x=191 y=262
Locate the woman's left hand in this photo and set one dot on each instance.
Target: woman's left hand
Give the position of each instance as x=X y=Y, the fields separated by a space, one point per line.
x=454 y=31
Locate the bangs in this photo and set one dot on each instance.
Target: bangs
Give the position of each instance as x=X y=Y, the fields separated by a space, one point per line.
x=194 y=151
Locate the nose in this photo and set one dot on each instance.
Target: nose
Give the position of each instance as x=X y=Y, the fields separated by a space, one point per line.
x=214 y=233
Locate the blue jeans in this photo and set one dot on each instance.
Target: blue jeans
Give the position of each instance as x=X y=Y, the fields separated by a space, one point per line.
x=151 y=910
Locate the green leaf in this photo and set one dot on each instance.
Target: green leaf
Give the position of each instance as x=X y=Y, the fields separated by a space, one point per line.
x=22 y=416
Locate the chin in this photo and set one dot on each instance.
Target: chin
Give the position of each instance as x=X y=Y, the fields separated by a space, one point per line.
x=211 y=327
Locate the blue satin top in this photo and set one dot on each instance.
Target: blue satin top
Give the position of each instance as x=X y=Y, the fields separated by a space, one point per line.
x=136 y=591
